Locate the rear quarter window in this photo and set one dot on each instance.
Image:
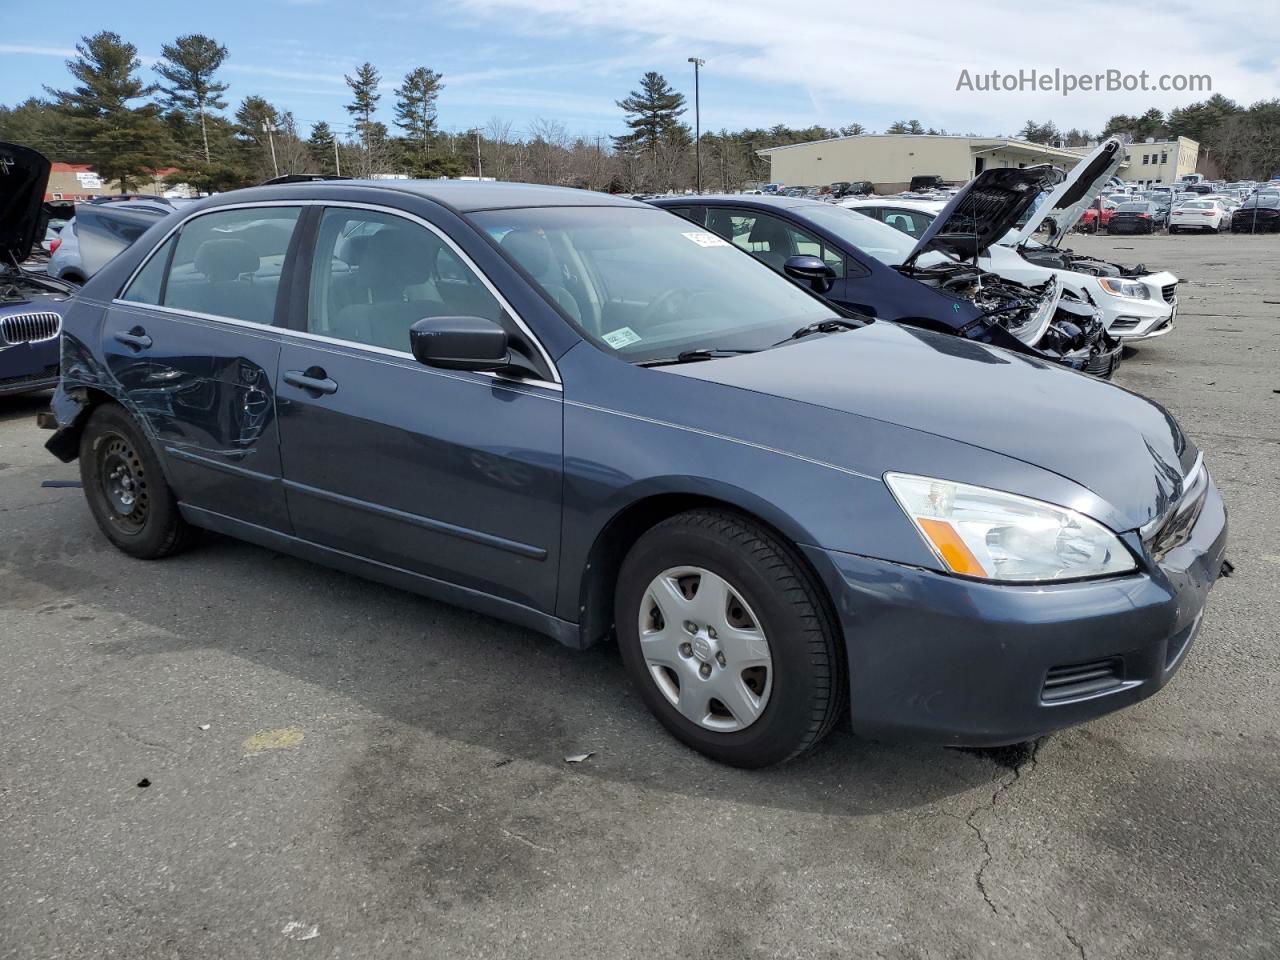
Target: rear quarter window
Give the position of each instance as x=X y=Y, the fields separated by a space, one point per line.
x=148 y=285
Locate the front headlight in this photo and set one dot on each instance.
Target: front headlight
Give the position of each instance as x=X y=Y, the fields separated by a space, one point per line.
x=1001 y=536
x=1124 y=288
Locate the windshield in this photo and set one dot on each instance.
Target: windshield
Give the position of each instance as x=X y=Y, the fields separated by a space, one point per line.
x=887 y=244
x=647 y=284
x=1263 y=200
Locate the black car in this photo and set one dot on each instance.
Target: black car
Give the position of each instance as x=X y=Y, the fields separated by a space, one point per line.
x=872 y=269
x=923 y=182
x=589 y=417
x=31 y=303
x=1137 y=216
x=1259 y=214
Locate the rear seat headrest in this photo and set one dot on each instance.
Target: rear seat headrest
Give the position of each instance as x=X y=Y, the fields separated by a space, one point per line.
x=226 y=259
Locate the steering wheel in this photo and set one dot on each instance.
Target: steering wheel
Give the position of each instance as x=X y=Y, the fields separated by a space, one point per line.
x=677 y=304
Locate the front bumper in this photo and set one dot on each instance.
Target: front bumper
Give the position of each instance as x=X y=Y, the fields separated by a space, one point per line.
x=1130 y=319
x=25 y=367
x=941 y=659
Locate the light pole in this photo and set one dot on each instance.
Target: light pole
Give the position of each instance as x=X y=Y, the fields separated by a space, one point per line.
x=479 y=169
x=697 y=121
x=269 y=129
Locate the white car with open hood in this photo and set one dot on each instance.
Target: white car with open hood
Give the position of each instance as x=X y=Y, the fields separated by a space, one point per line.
x=1136 y=303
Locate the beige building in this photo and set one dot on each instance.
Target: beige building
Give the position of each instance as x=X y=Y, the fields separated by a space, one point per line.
x=1160 y=161
x=890 y=160
x=78 y=181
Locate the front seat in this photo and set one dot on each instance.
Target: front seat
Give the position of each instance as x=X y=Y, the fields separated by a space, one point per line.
x=773 y=233
x=532 y=251
x=391 y=265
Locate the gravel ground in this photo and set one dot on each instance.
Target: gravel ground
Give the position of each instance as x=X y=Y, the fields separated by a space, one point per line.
x=337 y=769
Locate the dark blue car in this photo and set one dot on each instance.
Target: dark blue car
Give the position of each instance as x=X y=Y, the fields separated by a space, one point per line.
x=31 y=304
x=595 y=419
x=930 y=281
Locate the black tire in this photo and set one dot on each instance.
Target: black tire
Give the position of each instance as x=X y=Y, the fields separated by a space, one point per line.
x=114 y=452
x=809 y=683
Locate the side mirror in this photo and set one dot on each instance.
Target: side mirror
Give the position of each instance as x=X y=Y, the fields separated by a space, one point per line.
x=460 y=343
x=814 y=270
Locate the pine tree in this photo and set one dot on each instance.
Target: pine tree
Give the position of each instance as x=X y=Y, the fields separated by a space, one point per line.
x=905 y=126
x=188 y=66
x=122 y=143
x=653 y=112
x=365 y=97
x=416 y=106
x=254 y=115
x=321 y=145
x=1034 y=132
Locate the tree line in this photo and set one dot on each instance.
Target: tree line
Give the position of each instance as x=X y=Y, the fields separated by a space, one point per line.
x=1243 y=142
x=127 y=125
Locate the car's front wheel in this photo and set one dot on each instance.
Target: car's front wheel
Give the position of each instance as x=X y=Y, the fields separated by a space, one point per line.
x=727 y=635
x=126 y=489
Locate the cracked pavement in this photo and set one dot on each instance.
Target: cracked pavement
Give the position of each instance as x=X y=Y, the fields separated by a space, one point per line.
x=326 y=752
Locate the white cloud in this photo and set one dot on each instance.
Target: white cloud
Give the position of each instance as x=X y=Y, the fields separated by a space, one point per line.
x=906 y=61
x=63 y=52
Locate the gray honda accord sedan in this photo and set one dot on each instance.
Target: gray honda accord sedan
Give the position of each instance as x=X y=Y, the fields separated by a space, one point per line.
x=593 y=418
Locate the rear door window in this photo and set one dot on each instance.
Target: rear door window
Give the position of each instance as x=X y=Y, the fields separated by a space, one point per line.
x=229 y=263
x=770 y=239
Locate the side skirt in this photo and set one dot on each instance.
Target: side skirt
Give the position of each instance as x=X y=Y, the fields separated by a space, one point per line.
x=561 y=630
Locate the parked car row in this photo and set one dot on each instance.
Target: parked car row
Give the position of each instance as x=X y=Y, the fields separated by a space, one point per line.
x=694 y=434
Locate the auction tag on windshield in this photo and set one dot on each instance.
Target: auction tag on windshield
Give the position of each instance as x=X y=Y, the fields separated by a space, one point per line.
x=622 y=337
x=703 y=239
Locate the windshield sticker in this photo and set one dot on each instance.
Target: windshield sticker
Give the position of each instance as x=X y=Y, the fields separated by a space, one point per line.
x=623 y=336
x=706 y=239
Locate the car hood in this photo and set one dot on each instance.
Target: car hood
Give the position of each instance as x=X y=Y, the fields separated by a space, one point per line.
x=24 y=174
x=984 y=210
x=1076 y=194
x=1125 y=449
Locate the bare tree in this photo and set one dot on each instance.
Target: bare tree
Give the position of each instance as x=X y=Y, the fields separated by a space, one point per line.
x=548 y=157
x=503 y=151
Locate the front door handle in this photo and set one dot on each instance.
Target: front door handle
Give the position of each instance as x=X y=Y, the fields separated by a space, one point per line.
x=136 y=338
x=313 y=379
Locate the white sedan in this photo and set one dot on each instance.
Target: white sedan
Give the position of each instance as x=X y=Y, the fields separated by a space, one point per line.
x=1205 y=215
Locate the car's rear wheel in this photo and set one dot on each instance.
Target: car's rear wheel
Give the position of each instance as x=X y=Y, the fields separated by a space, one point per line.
x=728 y=638
x=126 y=489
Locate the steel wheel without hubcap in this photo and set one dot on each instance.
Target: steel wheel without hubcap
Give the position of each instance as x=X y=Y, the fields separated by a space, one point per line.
x=124 y=483
x=705 y=649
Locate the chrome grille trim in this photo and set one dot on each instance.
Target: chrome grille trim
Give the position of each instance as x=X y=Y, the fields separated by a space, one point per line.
x=29 y=327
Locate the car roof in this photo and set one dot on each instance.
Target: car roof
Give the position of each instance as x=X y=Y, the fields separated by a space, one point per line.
x=463 y=196
x=764 y=200
x=923 y=206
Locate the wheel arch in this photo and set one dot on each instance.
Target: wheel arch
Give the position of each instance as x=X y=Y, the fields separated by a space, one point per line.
x=73 y=405
x=621 y=531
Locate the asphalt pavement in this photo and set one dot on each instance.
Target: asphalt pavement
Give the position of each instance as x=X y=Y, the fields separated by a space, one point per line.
x=234 y=754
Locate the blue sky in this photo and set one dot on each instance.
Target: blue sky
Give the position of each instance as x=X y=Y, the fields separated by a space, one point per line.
x=569 y=60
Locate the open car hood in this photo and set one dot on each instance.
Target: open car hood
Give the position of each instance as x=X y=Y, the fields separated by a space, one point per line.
x=24 y=174
x=1076 y=194
x=984 y=210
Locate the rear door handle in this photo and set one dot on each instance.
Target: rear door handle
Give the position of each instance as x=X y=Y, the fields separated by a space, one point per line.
x=313 y=379
x=136 y=338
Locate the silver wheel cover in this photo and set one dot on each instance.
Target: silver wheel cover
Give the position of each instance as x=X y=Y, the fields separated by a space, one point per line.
x=705 y=649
